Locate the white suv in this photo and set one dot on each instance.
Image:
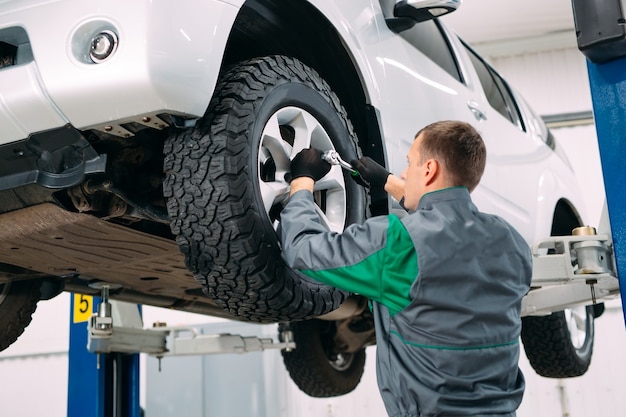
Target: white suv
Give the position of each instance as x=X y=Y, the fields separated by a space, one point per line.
x=145 y=145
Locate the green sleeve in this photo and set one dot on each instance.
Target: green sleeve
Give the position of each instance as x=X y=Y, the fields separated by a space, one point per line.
x=385 y=276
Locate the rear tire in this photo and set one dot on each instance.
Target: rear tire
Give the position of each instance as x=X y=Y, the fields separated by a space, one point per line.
x=315 y=368
x=560 y=345
x=18 y=302
x=225 y=187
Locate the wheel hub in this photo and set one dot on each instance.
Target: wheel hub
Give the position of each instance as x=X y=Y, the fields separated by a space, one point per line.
x=342 y=361
x=576 y=319
x=287 y=132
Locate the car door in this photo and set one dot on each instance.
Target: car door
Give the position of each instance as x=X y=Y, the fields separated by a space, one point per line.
x=424 y=82
x=517 y=156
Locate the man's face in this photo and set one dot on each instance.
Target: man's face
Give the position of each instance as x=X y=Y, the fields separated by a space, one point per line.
x=414 y=176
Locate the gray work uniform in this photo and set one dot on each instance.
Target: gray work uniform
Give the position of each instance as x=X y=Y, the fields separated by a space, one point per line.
x=446 y=285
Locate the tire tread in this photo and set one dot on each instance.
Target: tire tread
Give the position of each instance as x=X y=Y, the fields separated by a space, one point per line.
x=549 y=349
x=16 y=310
x=215 y=217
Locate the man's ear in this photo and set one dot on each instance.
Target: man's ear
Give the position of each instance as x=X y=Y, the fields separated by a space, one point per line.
x=432 y=171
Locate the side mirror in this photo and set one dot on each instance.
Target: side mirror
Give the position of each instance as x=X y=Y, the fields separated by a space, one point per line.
x=409 y=12
x=421 y=10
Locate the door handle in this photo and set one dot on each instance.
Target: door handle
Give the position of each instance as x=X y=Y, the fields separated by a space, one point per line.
x=476 y=111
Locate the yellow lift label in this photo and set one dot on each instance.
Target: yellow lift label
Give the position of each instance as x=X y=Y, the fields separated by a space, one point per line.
x=83 y=307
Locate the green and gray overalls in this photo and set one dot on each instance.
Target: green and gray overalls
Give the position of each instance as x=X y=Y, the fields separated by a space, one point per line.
x=446 y=284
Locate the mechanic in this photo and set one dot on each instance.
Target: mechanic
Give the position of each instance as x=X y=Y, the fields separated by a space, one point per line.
x=445 y=282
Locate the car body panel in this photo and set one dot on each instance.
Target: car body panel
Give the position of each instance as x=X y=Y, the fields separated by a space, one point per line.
x=156 y=40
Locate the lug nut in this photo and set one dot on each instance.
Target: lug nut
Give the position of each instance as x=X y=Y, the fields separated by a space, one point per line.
x=102 y=46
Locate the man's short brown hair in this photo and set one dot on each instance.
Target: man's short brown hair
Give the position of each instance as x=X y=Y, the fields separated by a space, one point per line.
x=459 y=147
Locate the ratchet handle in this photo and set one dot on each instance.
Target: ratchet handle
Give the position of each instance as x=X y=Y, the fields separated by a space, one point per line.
x=333 y=158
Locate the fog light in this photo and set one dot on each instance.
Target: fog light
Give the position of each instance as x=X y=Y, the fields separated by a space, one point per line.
x=102 y=46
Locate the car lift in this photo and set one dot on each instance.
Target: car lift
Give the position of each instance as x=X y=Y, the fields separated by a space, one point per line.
x=570 y=270
x=601 y=37
x=112 y=375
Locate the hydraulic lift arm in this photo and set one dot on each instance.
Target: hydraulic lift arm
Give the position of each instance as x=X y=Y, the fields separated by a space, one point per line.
x=571 y=270
x=568 y=271
x=128 y=336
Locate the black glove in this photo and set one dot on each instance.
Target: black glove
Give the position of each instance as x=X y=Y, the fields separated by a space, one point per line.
x=309 y=163
x=370 y=171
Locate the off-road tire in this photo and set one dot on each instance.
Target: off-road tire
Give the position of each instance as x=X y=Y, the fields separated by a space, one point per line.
x=214 y=199
x=549 y=348
x=310 y=364
x=18 y=302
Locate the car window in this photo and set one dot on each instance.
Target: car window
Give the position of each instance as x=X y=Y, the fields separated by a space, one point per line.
x=534 y=123
x=496 y=89
x=430 y=40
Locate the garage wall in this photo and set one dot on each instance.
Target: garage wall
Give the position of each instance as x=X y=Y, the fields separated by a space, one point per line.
x=552 y=81
x=33 y=370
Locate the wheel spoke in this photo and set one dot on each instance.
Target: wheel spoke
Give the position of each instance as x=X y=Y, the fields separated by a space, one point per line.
x=576 y=319
x=579 y=321
x=336 y=208
x=331 y=181
x=318 y=136
x=333 y=188
x=303 y=128
x=272 y=142
x=272 y=193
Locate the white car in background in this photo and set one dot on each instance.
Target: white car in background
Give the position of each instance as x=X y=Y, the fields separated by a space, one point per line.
x=145 y=145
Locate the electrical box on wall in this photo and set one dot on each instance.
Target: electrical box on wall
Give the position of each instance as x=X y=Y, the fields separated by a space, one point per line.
x=600 y=29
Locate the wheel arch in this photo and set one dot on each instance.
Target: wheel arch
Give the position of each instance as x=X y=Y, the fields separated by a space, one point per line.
x=565 y=218
x=298 y=29
x=548 y=340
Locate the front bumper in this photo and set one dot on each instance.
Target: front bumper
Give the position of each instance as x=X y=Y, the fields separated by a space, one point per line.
x=167 y=61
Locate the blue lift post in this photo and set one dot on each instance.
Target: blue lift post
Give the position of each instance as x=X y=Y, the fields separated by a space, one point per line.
x=85 y=380
x=601 y=37
x=109 y=388
x=608 y=91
